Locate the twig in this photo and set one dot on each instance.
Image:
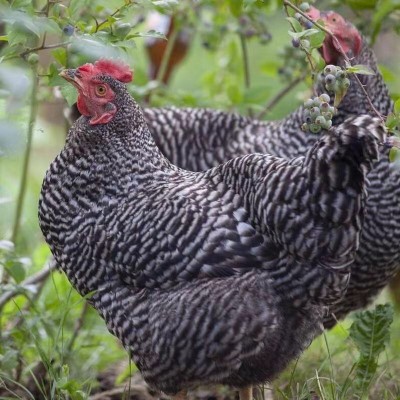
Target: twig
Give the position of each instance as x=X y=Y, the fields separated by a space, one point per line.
x=44 y=47
x=32 y=280
x=246 y=66
x=278 y=97
x=287 y=3
x=308 y=55
x=99 y=24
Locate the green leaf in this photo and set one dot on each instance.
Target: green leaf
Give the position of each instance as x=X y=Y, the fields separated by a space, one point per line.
x=16 y=270
x=316 y=39
x=370 y=332
x=60 y=55
x=69 y=93
x=360 y=69
x=236 y=7
x=4 y=38
x=303 y=34
x=397 y=106
x=296 y=24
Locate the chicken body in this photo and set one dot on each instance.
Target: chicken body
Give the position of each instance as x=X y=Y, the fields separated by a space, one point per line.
x=198 y=139
x=221 y=276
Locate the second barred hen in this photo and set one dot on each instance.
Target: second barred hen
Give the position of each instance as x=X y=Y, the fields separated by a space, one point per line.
x=220 y=276
x=198 y=139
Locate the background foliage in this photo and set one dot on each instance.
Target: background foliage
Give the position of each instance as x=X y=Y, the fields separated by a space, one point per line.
x=51 y=344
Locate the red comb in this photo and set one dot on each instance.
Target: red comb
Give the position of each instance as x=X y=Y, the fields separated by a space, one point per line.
x=118 y=70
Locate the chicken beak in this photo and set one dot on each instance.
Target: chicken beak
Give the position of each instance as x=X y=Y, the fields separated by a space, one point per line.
x=68 y=74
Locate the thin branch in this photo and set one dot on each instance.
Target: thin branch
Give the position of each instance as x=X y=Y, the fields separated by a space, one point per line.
x=282 y=93
x=99 y=24
x=44 y=47
x=287 y=3
x=246 y=66
x=32 y=280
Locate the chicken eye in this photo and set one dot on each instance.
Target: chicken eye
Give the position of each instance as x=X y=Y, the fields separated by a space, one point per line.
x=101 y=90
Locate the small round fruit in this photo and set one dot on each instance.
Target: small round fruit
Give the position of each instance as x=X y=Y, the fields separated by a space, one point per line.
x=346 y=83
x=33 y=58
x=304 y=7
x=309 y=103
x=304 y=127
x=327 y=125
x=296 y=43
x=314 y=128
x=324 y=107
x=316 y=102
x=325 y=98
x=340 y=74
x=320 y=120
x=330 y=87
x=305 y=43
x=330 y=69
x=330 y=79
x=298 y=16
x=327 y=115
x=68 y=30
x=308 y=24
x=315 y=112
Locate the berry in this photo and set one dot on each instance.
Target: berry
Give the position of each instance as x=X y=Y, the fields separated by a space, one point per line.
x=305 y=43
x=324 y=98
x=33 y=58
x=346 y=83
x=304 y=7
x=330 y=69
x=316 y=102
x=324 y=107
x=68 y=30
x=330 y=79
x=309 y=103
x=320 y=120
x=298 y=16
x=314 y=128
x=304 y=127
x=327 y=125
x=340 y=74
x=308 y=24
x=314 y=112
x=295 y=43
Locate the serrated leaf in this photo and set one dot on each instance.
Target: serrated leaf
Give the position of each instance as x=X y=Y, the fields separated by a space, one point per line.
x=370 y=332
x=360 y=69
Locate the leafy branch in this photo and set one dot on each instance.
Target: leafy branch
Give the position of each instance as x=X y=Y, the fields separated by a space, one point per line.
x=286 y=4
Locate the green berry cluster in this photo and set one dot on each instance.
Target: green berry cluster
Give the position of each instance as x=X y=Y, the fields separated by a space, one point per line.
x=335 y=79
x=318 y=113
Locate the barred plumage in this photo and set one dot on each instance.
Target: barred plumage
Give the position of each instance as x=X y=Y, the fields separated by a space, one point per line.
x=198 y=139
x=205 y=277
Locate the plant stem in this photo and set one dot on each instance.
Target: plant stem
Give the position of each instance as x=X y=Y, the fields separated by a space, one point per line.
x=32 y=118
x=246 y=66
x=166 y=58
x=282 y=93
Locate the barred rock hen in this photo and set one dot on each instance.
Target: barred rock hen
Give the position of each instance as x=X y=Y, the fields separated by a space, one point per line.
x=198 y=139
x=213 y=277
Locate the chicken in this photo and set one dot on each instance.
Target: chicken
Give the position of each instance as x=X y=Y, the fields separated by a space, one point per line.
x=220 y=276
x=198 y=139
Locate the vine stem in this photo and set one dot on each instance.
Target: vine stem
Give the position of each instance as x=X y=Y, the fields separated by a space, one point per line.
x=27 y=155
x=246 y=66
x=286 y=4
